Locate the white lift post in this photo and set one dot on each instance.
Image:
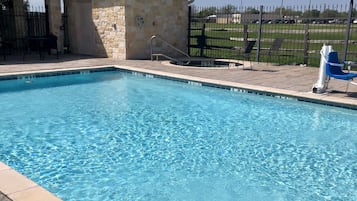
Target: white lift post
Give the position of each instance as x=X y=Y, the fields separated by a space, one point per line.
x=321 y=85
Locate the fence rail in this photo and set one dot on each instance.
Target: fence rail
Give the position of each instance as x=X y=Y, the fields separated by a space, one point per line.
x=217 y=32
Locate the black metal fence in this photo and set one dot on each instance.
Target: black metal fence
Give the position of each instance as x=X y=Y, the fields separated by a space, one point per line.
x=37 y=23
x=218 y=32
x=18 y=23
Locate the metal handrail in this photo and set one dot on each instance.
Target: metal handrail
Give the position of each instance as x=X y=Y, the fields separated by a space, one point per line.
x=166 y=56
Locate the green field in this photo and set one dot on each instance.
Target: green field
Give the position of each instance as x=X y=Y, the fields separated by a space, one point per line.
x=222 y=39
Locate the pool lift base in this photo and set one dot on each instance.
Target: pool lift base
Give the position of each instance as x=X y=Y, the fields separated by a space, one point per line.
x=321 y=85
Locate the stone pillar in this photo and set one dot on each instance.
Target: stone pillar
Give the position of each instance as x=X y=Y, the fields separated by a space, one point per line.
x=55 y=20
x=83 y=38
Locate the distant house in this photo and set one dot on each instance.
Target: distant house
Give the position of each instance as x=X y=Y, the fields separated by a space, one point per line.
x=224 y=19
x=243 y=18
x=211 y=18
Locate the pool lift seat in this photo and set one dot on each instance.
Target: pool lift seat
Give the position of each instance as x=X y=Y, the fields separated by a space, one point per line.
x=334 y=69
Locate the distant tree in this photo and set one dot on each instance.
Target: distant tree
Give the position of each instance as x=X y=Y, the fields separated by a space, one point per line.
x=251 y=10
x=328 y=13
x=287 y=12
x=345 y=14
x=354 y=13
x=228 y=9
x=311 y=14
x=207 y=11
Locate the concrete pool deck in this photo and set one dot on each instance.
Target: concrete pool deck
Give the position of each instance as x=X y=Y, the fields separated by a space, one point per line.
x=287 y=80
x=292 y=81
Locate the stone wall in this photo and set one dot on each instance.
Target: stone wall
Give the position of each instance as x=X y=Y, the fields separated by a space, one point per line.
x=119 y=29
x=55 y=21
x=165 y=18
x=109 y=20
x=124 y=27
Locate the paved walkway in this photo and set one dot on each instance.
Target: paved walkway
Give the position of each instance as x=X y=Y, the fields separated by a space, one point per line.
x=293 y=79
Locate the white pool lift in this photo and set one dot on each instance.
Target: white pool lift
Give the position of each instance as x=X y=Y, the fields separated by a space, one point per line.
x=321 y=85
x=331 y=67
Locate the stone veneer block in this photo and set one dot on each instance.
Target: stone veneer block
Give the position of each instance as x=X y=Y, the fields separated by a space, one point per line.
x=110 y=24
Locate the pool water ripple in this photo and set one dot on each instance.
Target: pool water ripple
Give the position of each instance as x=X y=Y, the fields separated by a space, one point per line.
x=125 y=137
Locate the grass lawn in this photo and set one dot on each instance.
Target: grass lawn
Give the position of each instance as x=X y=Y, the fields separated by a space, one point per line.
x=222 y=38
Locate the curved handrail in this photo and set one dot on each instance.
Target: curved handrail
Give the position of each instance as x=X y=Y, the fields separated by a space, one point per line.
x=167 y=43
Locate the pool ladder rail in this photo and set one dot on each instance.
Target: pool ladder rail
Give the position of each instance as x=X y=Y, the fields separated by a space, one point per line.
x=157 y=55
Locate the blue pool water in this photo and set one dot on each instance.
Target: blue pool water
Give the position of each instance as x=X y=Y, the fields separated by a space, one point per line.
x=116 y=136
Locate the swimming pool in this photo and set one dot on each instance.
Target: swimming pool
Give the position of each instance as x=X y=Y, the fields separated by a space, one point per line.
x=128 y=136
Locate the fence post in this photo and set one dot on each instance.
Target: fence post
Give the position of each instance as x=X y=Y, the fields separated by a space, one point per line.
x=189 y=31
x=348 y=29
x=245 y=35
x=202 y=40
x=259 y=33
x=20 y=26
x=47 y=21
x=306 y=44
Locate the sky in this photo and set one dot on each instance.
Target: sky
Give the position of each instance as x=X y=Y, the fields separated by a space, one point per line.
x=37 y=2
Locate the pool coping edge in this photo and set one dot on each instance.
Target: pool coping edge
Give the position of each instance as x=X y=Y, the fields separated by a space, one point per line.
x=323 y=99
x=17 y=187
x=18 y=194
x=248 y=88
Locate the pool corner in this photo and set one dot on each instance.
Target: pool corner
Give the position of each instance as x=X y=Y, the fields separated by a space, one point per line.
x=16 y=187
